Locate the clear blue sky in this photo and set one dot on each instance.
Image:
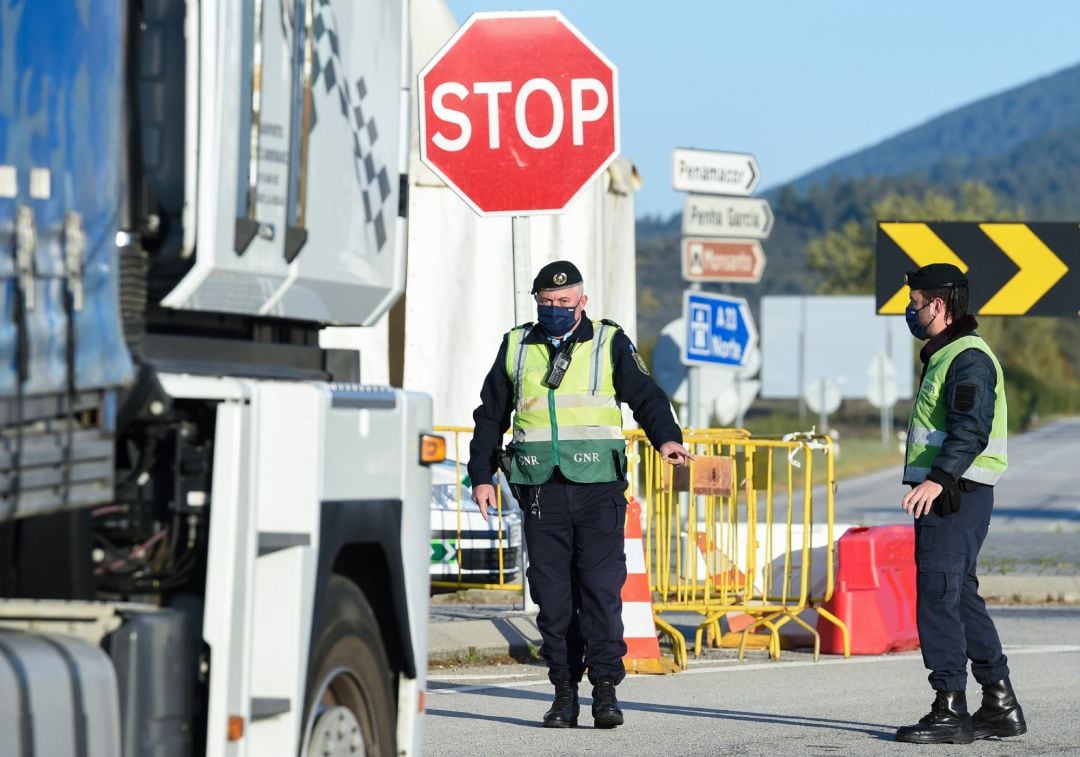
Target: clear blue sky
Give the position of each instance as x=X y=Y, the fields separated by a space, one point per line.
x=801 y=83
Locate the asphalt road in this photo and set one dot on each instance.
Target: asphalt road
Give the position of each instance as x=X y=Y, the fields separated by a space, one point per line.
x=1036 y=522
x=758 y=707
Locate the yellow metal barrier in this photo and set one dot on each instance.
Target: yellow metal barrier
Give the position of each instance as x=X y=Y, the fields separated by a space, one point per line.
x=509 y=576
x=738 y=535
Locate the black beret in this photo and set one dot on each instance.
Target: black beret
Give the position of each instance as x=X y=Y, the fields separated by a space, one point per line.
x=936 y=276
x=557 y=275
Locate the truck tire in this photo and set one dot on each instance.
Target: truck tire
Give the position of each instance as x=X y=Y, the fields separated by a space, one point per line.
x=350 y=708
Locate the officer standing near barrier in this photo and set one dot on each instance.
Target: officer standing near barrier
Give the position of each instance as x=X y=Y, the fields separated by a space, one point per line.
x=564 y=377
x=956 y=452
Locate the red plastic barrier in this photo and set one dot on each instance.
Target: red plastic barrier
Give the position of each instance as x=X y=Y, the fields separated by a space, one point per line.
x=875 y=592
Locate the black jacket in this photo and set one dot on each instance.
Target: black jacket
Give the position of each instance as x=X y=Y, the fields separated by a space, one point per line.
x=633 y=386
x=969 y=393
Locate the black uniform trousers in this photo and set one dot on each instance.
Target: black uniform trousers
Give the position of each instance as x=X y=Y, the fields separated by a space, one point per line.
x=577 y=566
x=954 y=626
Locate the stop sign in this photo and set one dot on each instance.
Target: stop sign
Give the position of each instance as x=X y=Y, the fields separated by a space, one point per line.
x=518 y=111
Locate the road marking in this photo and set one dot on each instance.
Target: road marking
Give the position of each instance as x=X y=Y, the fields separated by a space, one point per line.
x=905 y=656
x=481 y=677
x=703 y=667
x=483 y=687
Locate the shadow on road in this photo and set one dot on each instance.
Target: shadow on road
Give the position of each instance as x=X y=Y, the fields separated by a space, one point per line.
x=880 y=731
x=491 y=718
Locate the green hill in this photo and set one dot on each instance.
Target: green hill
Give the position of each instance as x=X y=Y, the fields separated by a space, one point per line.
x=988 y=128
x=1024 y=144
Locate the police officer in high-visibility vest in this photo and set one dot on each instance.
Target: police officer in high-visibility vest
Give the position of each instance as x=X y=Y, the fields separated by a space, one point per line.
x=956 y=452
x=564 y=377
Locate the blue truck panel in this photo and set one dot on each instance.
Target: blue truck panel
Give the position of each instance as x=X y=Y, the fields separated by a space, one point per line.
x=60 y=141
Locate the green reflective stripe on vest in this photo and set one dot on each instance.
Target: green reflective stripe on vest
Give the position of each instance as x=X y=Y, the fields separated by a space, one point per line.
x=927 y=432
x=578 y=426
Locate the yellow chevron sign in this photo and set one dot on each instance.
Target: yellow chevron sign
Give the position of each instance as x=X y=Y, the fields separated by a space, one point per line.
x=1013 y=268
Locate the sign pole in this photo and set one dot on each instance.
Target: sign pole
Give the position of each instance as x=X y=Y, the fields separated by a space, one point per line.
x=526 y=48
x=802 y=362
x=693 y=386
x=523 y=307
x=887 y=408
x=823 y=417
x=522 y=256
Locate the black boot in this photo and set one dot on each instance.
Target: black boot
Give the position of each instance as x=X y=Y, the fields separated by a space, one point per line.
x=1000 y=714
x=565 y=708
x=947 y=723
x=605 y=707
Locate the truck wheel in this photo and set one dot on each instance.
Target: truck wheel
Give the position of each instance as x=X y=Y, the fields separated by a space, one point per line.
x=350 y=701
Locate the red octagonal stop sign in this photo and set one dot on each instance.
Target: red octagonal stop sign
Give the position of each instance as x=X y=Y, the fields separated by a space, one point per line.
x=518 y=112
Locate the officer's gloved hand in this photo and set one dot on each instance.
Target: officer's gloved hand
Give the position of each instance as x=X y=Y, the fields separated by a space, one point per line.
x=948 y=502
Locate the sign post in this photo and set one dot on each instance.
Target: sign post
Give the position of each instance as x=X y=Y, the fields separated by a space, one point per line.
x=882 y=391
x=522 y=261
x=518 y=113
x=722 y=209
x=823 y=397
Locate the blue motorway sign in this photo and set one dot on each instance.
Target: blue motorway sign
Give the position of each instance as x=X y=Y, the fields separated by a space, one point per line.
x=719 y=329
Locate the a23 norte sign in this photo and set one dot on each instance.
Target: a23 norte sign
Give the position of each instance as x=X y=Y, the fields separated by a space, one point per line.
x=1013 y=268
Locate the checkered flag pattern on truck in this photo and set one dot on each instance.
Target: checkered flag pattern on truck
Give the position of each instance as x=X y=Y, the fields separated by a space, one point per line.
x=374 y=180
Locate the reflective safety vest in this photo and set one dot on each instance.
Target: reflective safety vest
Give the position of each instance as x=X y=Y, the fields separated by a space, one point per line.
x=926 y=431
x=577 y=427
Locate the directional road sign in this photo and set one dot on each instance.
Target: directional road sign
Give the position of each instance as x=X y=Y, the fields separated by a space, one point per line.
x=711 y=172
x=711 y=216
x=668 y=367
x=670 y=371
x=719 y=329
x=443 y=552
x=823 y=396
x=740 y=260
x=518 y=112
x=1012 y=268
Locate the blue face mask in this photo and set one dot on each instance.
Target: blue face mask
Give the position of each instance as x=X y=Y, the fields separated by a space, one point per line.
x=911 y=315
x=556 y=321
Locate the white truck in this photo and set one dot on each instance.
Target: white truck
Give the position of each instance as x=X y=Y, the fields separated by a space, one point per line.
x=213 y=537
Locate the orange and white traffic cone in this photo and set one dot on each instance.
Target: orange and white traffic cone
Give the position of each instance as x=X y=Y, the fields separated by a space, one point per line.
x=639 y=625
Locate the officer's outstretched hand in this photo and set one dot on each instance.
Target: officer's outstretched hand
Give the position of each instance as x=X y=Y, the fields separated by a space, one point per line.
x=675 y=453
x=484 y=496
x=919 y=500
